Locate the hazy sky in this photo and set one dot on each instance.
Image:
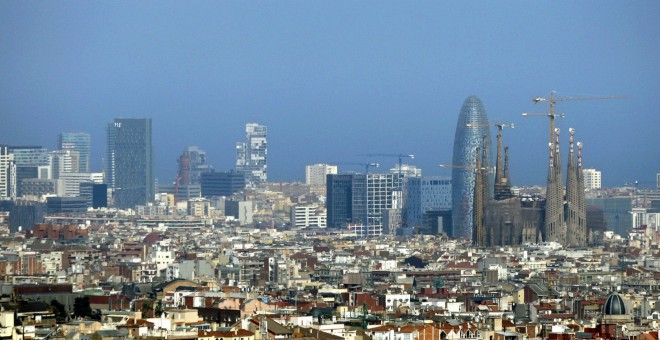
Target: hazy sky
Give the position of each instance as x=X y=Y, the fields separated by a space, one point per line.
x=336 y=79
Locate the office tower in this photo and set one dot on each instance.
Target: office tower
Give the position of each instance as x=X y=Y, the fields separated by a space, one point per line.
x=346 y=198
x=316 y=174
x=63 y=161
x=129 y=161
x=26 y=161
x=252 y=155
x=6 y=165
x=352 y=201
x=466 y=141
x=382 y=194
x=72 y=182
x=592 y=179
x=29 y=155
x=66 y=205
x=302 y=216
x=423 y=194
x=218 y=184
x=25 y=214
x=192 y=164
x=79 y=142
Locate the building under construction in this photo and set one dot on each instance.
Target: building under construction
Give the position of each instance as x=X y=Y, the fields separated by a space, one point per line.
x=504 y=219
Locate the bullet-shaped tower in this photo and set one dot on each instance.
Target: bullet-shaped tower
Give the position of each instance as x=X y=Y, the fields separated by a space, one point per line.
x=466 y=141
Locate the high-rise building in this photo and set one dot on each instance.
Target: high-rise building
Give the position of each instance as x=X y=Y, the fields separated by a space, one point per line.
x=129 y=161
x=466 y=141
x=192 y=164
x=6 y=165
x=382 y=194
x=218 y=184
x=346 y=198
x=64 y=161
x=316 y=174
x=79 y=142
x=423 y=194
x=29 y=155
x=592 y=179
x=352 y=201
x=252 y=155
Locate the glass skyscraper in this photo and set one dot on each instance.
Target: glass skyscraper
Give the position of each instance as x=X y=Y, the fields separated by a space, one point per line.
x=129 y=162
x=466 y=141
x=77 y=141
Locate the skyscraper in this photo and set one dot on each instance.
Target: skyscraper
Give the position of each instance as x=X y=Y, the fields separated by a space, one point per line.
x=346 y=199
x=192 y=164
x=129 y=161
x=252 y=155
x=466 y=141
x=6 y=165
x=77 y=141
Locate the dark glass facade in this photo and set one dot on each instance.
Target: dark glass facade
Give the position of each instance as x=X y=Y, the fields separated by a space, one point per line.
x=218 y=184
x=346 y=198
x=129 y=162
x=466 y=141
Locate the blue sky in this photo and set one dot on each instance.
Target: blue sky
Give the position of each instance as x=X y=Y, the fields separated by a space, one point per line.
x=336 y=79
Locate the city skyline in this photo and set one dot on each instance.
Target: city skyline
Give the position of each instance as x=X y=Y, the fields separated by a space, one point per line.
x=390 y=82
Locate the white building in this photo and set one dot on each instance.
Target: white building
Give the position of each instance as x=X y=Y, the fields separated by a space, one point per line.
x=6 y=180
x=591 y=179
x=646 y=217
x=63 y=161
x=316 y=174
x=72 y=182
x=308 y=216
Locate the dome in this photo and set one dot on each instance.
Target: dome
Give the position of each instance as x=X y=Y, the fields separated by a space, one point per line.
x=614 y=305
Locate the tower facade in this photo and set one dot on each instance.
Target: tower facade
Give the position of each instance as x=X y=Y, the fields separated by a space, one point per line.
x=252 y=155
x=192 y=164
x=79 y=142
x=6 y=166
x=576 y=213
x=129 y=161
x=466 y=141
x=346 y=199
x=555 y=226
x=423 y=194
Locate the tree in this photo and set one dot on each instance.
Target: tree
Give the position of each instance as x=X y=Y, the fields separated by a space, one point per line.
x=59 y=310
x=81 y=307
x=159 y=309
x=147 y=310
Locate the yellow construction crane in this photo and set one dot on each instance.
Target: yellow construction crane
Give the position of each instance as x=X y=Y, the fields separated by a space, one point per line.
x=552 y=100
x=451 y=166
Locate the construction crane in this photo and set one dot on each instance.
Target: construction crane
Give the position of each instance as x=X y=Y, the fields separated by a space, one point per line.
x=365 y=165
x=553 y=101
x=400 y=156
x=467 y=167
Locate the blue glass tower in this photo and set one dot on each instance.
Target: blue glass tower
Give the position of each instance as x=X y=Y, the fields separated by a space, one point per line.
x=466 y=141
x=129 y=162
x=77 y=141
